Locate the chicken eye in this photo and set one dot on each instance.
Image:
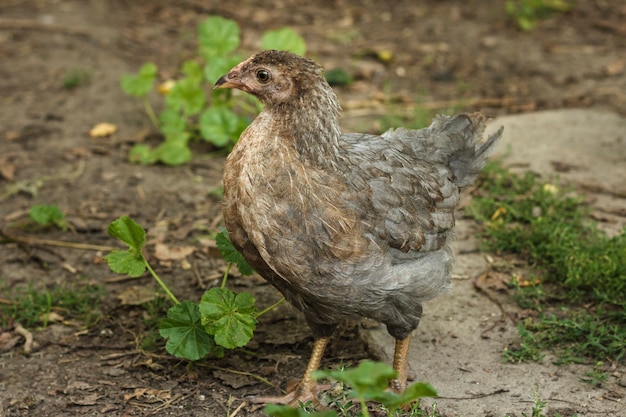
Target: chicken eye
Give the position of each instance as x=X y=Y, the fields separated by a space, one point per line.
x=263 y=76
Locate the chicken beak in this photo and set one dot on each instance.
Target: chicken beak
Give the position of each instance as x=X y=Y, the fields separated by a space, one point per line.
x=229 y=80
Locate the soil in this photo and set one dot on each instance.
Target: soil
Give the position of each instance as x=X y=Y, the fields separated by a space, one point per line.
x=444 y=55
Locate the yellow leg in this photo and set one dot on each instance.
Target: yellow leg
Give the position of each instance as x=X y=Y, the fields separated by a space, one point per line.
x=307 y=389
x=400 y=359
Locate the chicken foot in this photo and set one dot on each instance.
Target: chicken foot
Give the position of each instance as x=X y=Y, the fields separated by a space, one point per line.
x=307 y=389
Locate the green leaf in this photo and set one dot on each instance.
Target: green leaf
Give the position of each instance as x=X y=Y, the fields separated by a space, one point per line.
x=392 y=401
x=129 y=232
x=368 y=376
x=142 y=154
x=218 y=66
x=46 y=214
x=186 y=337
x=287 y=411
x=139 y=85
x=285 y=39
x=370 y=380
x=192 y=70
x=129 y=262
x=174 y=151
x=338 y=76
x=172 y=122
x=126 y=262
x=186 y=95
x=217 y=37
x=220 y=126
x=231 y=254
x=230 y=317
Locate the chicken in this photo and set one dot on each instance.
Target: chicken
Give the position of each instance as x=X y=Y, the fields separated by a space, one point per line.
x=344 y=225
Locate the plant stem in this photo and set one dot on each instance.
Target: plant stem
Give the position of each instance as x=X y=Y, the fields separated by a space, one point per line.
x=364 y=411
x=161 y=283
x=272 y=307
x=228 y=266
x=151 y=115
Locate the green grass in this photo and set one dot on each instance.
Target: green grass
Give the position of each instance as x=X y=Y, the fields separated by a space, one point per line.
x=32 y=307
x=581 y=294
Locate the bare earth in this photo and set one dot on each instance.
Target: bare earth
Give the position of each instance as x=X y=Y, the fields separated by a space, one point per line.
x=444 y=53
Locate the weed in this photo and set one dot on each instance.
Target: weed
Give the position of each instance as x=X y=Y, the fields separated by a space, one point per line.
x=76 y=77
x=597 y=376
x=222 y=319
x=188 y=114
x=32 y=306
x=527 y=13
x=538 y=406
x=48 y=215
x=369 y=382
x=581 y=293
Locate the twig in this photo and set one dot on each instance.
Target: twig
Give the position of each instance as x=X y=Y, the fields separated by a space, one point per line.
x=242 y=405
x=492 y=298
x=47 y=242
x=250 y=374
x=477 y=396
x=176 y=398
x=28 y=336
x=23 y=24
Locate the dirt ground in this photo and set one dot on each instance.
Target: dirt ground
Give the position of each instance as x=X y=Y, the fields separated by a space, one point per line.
x=445 y=53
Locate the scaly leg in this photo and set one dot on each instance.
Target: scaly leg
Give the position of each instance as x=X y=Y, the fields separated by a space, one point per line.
x=307 y=389
x=400 y=358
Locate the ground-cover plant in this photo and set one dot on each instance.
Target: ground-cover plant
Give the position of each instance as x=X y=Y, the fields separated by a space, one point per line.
x=48 y=215
x=189 y=114
x=33 y=307
x=580 y=287
x=75 y=78
x=222 y=319
x=368 y=382
x=527 y=13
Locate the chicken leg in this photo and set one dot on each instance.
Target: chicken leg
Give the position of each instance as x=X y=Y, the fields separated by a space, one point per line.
x=307 y=389
x=400 y=358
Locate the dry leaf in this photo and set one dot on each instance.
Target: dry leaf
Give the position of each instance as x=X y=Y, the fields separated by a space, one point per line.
x=138 y=393
x=150 y=393
x=185 y=265
x=525 y=282
x=493 y=280
x=102 y=130
x=165 y=252
x=8 y=341
x=86 y=400
x=166 y=86
x=136 y=295
x=151 y=364
x=79 y=385
x=234 y=380
x=52 y=317
x=615 y=67
x=7 y=170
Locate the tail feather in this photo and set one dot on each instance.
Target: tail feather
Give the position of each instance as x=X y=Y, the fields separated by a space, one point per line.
x=469 y=156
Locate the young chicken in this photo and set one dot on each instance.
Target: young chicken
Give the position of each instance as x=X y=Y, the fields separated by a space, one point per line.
x=344 y=225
